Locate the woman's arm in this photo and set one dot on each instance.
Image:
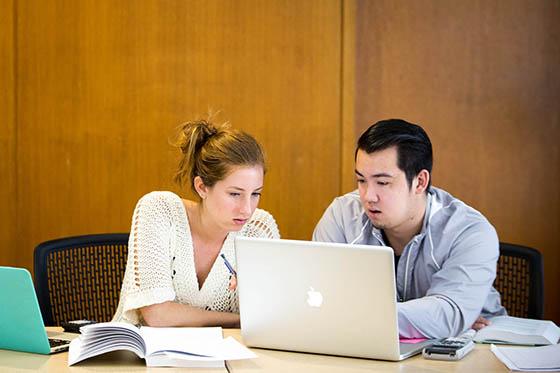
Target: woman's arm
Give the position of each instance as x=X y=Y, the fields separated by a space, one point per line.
x=170 y=314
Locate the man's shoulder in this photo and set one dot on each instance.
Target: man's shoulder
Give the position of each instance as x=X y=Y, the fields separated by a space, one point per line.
x=347 y=205
x=451 y=214
x=349 y=200
x=453 y=207
x=342 y=221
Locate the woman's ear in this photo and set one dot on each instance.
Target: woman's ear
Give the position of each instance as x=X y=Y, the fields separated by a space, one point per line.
x=422 y=181
x=200 y=188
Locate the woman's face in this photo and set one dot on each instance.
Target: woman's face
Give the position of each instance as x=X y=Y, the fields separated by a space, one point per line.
x=231 y=201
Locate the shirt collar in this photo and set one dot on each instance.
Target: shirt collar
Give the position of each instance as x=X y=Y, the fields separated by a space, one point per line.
x=433 y=205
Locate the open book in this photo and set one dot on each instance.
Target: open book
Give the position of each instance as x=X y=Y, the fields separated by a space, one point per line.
x=514 y=330
x=182 y=347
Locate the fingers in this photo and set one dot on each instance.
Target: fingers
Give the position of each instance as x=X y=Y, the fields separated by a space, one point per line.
x=480 y=323
x=477 y=326
x=484 y=321
x=233 y=283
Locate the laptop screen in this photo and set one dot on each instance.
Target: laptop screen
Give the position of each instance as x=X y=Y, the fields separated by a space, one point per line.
x=21 y=323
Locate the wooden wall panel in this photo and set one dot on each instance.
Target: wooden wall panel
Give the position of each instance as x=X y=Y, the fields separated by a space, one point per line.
x=103 y=84
x=483 y=79
x=7 y=135
x=349 y=75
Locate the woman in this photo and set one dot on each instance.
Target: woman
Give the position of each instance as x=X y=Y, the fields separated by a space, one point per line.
x=175 y=275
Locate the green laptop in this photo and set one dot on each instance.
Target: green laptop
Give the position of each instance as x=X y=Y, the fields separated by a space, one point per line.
x=21 y=323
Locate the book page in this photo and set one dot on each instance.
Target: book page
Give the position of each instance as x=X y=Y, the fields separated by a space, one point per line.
x=225 y=349
x=515 y=330
x=193 y=341
x=518 y=325
x=172 y=359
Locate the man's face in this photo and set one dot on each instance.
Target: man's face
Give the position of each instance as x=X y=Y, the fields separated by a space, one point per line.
x=384 y=192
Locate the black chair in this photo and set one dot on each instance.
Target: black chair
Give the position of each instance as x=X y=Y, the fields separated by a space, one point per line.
x=520 y=281
x=80 y=277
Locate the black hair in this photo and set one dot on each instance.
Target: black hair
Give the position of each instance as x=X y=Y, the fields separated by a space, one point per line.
x=414 y=149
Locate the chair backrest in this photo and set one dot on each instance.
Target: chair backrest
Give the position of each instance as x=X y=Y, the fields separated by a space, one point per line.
x=520 y=281
x=80 y=277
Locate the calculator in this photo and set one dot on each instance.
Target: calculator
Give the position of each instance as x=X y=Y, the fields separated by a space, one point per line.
x=75 y=325
x=448 y=349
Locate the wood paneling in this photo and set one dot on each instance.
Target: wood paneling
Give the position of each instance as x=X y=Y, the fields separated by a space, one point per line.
x=348 y=137
x=100 y=87
x=103 y=84
x=482 y=78
x=7 y=135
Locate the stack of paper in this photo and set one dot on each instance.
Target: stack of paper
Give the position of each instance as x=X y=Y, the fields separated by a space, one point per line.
x=529 y=359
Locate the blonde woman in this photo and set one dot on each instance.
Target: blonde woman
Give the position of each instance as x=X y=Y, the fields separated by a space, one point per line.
x=175 y=274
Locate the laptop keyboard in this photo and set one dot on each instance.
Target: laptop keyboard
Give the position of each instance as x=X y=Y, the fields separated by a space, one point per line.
x=57 y=342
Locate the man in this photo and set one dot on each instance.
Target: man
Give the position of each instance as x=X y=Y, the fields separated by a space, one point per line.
x=445 y=251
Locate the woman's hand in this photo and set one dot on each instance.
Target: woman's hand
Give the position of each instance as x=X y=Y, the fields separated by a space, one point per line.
x=233 y=283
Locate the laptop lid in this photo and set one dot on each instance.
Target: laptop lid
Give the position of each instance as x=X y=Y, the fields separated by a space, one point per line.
x=318 y=297
x=21 y=323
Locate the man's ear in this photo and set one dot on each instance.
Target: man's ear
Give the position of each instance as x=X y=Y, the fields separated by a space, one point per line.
x=422 y=181
x=200 y=187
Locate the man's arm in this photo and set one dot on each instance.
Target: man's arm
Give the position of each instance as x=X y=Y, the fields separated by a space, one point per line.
x=458 y=291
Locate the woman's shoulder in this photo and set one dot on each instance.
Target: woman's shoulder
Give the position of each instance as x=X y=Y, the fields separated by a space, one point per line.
x=261 y=224
x=160 y=200
x=160 y=197
x=261 y=214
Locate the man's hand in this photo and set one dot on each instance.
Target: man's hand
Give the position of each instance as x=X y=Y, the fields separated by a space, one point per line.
x=480 y=323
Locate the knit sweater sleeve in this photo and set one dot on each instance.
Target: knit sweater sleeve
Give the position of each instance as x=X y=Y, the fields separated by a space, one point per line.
x=261 y=225
x=148 y=277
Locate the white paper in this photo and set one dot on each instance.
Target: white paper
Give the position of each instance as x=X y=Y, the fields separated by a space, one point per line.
x=231 y=349
x=208 y=350
x=543 y=359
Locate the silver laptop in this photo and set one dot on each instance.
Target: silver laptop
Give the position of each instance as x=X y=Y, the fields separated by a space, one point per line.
x=318 y=297
x=21 y=323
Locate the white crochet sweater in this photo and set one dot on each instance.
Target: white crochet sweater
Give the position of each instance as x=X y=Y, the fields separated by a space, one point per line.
x=160 y=265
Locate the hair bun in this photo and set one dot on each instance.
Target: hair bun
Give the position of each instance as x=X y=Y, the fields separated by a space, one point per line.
x=208 y=151
x=207 y=130
x=193 y=135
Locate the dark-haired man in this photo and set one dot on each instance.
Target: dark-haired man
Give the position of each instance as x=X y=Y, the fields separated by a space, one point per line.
x=445 y=251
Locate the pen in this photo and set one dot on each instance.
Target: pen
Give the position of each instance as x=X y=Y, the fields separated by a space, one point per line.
x=228 y=265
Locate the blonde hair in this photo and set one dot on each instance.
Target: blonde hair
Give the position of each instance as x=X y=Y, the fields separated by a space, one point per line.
x=210 y=151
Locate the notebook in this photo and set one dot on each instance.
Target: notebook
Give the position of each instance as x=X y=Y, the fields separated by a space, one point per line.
x=21 y=323
x=318 y=297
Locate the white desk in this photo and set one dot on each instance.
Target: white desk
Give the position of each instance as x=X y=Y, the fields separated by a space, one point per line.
x=479 y=360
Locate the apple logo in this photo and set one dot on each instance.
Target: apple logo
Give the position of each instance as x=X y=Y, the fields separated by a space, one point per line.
x=314 y=298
